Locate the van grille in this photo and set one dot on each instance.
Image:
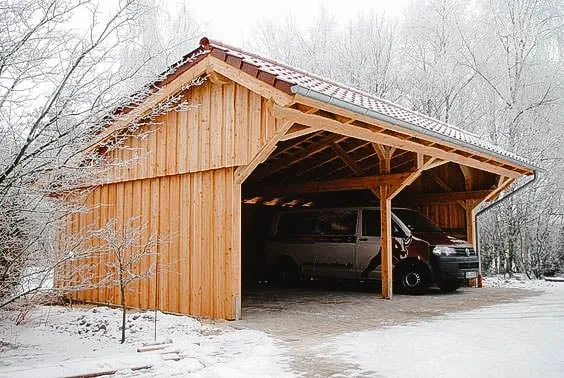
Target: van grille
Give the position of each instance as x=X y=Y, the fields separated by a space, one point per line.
x=462 y=251
x=472 y=265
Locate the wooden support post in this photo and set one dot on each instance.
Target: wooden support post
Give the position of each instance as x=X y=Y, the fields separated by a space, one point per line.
x=386 y=240
x=470 y=221
x=385 y=154
x=387 y=192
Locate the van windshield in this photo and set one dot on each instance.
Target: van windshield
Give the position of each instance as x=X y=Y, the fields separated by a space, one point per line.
x=415 y=221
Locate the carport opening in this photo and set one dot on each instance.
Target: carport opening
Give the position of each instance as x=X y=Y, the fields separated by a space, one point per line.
x=289 y=177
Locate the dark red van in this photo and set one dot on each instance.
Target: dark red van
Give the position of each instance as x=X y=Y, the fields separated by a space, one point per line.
x=345 y=243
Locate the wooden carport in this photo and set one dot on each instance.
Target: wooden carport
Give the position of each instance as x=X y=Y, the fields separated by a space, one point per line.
x=267 y=133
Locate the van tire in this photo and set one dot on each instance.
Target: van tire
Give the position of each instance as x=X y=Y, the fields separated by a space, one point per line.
x=413 y=278
x=287 y=273
x=449 y=286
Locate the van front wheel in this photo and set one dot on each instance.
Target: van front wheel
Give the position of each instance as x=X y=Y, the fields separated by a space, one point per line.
x=414 y=279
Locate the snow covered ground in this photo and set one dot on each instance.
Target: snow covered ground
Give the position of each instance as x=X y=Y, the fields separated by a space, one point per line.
x=522 y=339
x=520 y=281
x=59 y=341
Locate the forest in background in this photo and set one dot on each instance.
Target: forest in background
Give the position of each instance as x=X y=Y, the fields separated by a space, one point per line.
x=492 y=67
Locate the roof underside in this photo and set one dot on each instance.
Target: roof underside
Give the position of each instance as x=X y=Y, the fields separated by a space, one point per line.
x=295 y=81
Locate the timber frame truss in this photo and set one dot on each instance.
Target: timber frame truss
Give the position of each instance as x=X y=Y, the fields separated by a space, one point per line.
x=318 y=150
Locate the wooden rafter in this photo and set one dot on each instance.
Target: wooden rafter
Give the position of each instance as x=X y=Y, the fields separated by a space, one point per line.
x=358 y=160
x=443 y=152
x=304 y=130
x=298 y=156
x=347 y=159
x=357 y=169
x=296 y=145
x=246 y=80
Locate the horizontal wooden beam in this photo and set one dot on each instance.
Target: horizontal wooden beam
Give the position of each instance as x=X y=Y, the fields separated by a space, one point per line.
x=449 y=196
x=390 y=140
x=336 y=185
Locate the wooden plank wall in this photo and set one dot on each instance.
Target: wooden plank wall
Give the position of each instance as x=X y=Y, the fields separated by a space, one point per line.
x=198 y=215
x=182 y=186
x=226 y=129
x=449 y=216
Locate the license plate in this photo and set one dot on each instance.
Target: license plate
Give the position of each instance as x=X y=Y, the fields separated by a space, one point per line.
x=471 y=274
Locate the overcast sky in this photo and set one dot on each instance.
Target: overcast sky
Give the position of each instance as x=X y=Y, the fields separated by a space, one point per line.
x=234 y=21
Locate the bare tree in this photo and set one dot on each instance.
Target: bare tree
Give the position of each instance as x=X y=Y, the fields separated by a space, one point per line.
x=359 y=53
x=494 y=67
x=433 y=81
x=123 y=248
x=60 y=87
x=521 y=74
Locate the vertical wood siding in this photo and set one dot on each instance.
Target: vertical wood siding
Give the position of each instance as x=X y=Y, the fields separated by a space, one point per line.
x=226 y=128
x=198 y=264
x=180 y=183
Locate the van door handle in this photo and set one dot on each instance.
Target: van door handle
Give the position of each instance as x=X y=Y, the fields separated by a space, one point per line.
x=362 y=239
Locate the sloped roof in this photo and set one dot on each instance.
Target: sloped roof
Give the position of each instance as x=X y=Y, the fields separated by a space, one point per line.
x=296 y=81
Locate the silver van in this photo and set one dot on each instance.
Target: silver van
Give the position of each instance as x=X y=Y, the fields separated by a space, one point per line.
x=344 y=243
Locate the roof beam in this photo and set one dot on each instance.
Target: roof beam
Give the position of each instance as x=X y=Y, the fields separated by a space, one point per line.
x=451 y=196
x=350 y=183
x=431 y=149
x=296 y=157
x=347 y=159
x=357 y=169
x=440 y=182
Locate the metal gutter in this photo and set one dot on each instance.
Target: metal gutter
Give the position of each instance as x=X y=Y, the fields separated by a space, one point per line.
x=316 y=95
x=491 y=205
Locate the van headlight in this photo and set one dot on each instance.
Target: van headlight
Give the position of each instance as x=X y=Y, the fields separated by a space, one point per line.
x=443 y=250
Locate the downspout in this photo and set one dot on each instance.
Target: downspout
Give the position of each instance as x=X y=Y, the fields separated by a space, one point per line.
x=491 y=205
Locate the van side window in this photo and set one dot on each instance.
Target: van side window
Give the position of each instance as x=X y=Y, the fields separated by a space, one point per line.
x=370 y=223
x=336 y=223
x=297 y=223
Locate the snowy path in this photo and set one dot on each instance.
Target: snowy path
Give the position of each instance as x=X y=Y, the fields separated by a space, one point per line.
x=308 y=333
x=522 y=339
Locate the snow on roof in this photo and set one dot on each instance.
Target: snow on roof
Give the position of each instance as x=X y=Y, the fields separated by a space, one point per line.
x=284 y=77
